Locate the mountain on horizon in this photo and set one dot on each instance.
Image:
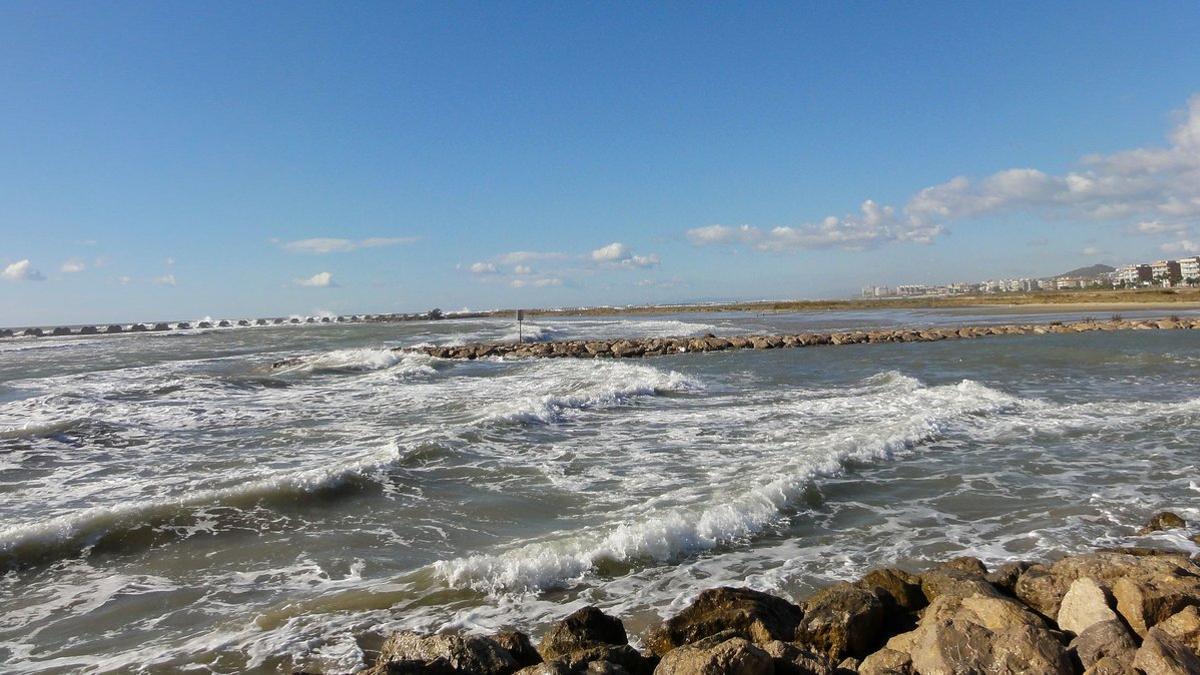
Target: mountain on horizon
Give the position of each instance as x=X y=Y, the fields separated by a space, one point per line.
x=1089 y=272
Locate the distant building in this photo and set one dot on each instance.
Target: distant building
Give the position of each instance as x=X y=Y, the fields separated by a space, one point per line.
x=1135 y=275
x=1166 y=272
x=1189 y=270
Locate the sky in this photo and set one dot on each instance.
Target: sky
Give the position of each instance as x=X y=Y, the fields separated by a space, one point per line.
x=169 y=160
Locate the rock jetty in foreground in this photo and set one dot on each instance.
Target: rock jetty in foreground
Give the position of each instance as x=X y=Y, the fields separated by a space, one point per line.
x=1113 y=611
x=642 y=347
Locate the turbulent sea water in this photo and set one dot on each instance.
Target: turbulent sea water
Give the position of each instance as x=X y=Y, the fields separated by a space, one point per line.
x=170 y=503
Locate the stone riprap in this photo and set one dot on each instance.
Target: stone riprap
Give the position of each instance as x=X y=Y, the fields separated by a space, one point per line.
x=658 y=346
x=1131 y=610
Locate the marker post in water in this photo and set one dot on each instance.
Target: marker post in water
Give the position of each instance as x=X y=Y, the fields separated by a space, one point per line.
x=520 y=326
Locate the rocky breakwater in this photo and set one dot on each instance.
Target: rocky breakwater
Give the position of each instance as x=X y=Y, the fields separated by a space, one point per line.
x=642 y=347
x=1115 y=611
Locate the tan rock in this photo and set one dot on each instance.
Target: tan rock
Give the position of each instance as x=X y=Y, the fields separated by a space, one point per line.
x=1145 y=600
x=1161 y=654
x=1183 y=626
x=794 y=658
x=1084 y=604
x=1163 y=521
x=582 y=629
x=843 y=620
x=753 y=615
x=887 y=662
x=1103 y=640
x=443 y=653
x=1112 y=666
x=735 y=656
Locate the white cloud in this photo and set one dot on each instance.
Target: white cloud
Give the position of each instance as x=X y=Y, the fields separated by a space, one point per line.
x=21 y=271
x=1154 y=186
x=1159 y=227
x=523 y=270
x=321 y=245
x=169 y=262
x=519 y=257
x=872 y=226
x=536 y=283
x=613 y=252
x=617 y=253
x=1153 y=190
x=165 y=280
x=1181 y=246
x=124 y=281
x=73 y=266
x=483 y=268
x=318 y=280
x=1092 y=250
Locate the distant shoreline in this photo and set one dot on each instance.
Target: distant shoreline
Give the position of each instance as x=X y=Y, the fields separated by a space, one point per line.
x=1187 y=298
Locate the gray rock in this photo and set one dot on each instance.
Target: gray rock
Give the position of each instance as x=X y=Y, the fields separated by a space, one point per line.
x=584 y=628
x=1104 y=639
x=755 y=616
x=1161 y=654
x=409 y=652
x=843 y=620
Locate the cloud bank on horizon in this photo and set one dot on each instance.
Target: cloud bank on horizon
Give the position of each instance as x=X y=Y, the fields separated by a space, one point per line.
x=1152 y=191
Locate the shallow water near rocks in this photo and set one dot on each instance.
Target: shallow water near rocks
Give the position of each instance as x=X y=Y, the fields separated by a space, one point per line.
x=169 y=502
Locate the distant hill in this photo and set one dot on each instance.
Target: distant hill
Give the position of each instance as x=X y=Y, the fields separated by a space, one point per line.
x=1089 y=272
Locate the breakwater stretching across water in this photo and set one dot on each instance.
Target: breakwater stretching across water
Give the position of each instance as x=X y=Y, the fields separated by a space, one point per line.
x=658 y=346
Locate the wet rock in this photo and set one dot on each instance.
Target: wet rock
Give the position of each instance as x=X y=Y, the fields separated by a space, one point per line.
x=6 y=332
x=1104 y=639
x=519 y=646
x=899 y=590
x=182 y=325
x=606 y=656
x=33 y=332
x=843 y=620
x=1085 y=603
x=887 y=662
x=139 y=328
x=1145 y=600
x=114 y=328
x=1161 y=654
x=758 y=617
x=161 y=326
x=583 y=628
x=1004 y=579
x=956 y=579
x=223 y=324
x=409 y=652
x=61 y=330
x=793 y=658
x=735 y=656
x=243 y=322
x=204 y=324
x=1163 y=521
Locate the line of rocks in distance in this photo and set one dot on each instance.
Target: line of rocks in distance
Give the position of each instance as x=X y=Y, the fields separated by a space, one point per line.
x=1132 y=611
x=657 y=346
x=163 y=326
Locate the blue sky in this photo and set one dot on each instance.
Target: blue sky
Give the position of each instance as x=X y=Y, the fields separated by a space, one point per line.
x=177 y=160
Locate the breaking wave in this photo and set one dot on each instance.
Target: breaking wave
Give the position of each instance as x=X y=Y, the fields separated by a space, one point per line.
x=737 y=517
x=598 y=386
x=144 y=521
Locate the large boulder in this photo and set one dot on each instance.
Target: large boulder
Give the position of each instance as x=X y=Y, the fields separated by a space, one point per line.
x=1004 y=578
x=887 y=662
x=843 y=620
x=1107 y=639
x=753 y=615
x=1161 y=654
x=607 y=656
x=734 y=656
x=1183 y=626
x=1085 y=603
x=899 y=590
x=409 y=652
x=1144 y=600
x=981 y=634
x=582 y=629
x=793 y=658
x=519 y=646
x=1042 y=587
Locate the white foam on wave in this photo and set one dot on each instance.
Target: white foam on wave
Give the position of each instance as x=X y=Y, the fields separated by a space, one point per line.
x=79 y=529
x=583 y=385
x=769 y=491
x=362 y=360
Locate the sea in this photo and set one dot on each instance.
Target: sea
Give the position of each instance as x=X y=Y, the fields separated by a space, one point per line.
x=169 y=502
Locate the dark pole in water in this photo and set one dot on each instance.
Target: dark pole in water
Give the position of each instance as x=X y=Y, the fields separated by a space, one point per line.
x=520 y=326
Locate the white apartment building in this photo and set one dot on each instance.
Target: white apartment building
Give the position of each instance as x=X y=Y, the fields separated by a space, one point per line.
x=1189 y=268
x=1134 y=275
